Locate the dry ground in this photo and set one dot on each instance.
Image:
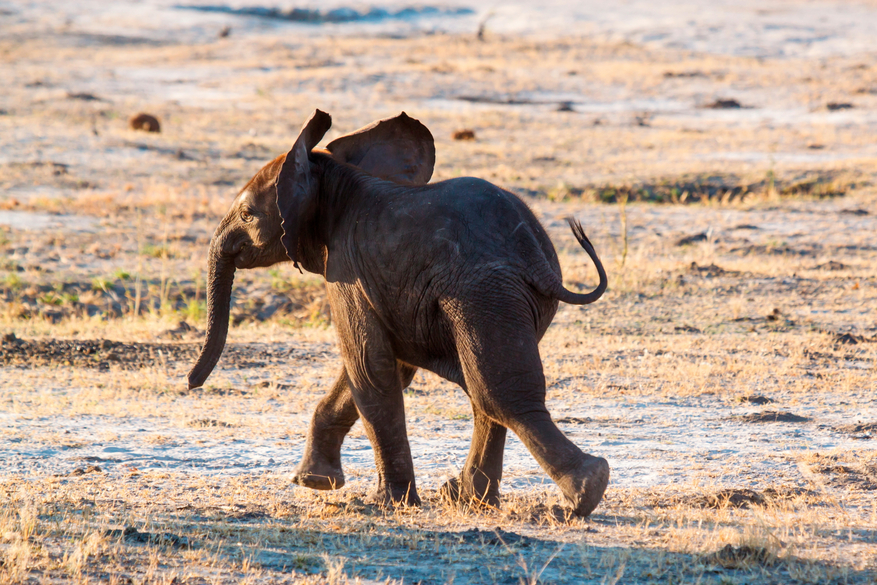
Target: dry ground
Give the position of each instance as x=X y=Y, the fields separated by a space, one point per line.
x=727 y=374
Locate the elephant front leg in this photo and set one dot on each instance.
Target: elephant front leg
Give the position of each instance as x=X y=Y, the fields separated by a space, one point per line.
x=479 y=480
x=383 y=416
x=376 y=381
x=320 y=468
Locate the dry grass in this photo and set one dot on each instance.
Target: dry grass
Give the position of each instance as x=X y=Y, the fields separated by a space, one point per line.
x=154 y=526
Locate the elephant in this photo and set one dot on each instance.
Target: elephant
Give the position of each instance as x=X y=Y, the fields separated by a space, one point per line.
x=457 y=277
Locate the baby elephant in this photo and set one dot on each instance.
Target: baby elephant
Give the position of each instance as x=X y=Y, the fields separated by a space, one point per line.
x=456 y=277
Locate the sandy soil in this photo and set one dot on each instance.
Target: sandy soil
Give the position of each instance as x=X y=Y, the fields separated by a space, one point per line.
x=727 y=374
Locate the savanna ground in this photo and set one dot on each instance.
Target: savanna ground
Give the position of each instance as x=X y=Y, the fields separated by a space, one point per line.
x=727 y=374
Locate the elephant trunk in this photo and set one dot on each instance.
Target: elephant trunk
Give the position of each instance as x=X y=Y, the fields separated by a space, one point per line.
x=219 y=282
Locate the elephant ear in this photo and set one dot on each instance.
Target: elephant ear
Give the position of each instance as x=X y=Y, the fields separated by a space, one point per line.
x=399 y=149
x=296 y=187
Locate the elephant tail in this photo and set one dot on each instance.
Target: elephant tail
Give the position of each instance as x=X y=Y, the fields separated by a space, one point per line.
x=566 y=296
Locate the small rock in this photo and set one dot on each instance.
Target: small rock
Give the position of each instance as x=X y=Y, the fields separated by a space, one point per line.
x=224 y=32
x=832 y=265
x=565 y=107
x=182 y=330
x=837 y=106
x=207 y=422
x=710 y=270
x=117 y=532
x=755 y=399
x=852 y=339
x=87 y=97
x=774 y=315
x=733 y=498
x=724 y=104
x=769 y=416
x=145 y=122
x=688 y=240
x=53 y=317
x=573 y=420
x=684 y=74
x=464 y=134
x=277 y=385
x=131 y=534
x=498 y=536
x=857 y=428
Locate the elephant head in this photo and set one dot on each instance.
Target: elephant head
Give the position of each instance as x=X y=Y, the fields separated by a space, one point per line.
x=267 y=218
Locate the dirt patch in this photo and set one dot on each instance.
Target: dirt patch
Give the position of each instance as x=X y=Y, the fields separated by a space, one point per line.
x=832 y=265
x=275 y=385
x=688 y=188
x=810 y=250
x=852 y=339
x=495 y=537
x=710 y=270
x=733 y=498
x=132 y=535
x=202 y=423
x=302 y=303
x=724 y=104
x=542 y=514
x=79 y=471
x=746 y=498
x=843 y=471
x=573 y=420
x=755 y=399
x=182 y=331
x=734 y=557
x=693 y=239
x=684 y=74
x=769 y=416
x=854 y=429
x=40 y=172
x=101 y=354
x=344 y=14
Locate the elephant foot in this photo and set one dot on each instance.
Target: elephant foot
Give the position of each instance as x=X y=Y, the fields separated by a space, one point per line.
x=586 y=485
x=319 y=475
x=388 y=496
x=453 y=491
x=450 y=490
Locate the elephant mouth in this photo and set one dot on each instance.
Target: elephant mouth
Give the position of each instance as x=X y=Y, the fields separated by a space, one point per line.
x=245 y=258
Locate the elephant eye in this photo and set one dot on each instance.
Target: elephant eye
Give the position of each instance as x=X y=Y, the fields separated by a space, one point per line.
x=246 y=216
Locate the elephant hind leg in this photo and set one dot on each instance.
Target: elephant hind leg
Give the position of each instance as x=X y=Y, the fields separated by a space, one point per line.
x=480 y=477
x=504 y=377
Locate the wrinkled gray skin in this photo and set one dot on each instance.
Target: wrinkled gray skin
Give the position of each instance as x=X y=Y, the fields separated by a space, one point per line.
x=456 y=277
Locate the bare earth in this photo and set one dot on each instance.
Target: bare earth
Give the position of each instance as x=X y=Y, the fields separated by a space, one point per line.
x=728 y=374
